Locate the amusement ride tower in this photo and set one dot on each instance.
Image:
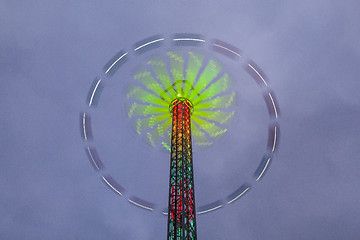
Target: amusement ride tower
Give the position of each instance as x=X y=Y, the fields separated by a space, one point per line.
x=199 y=88
x=177 y=98
x=181 y=217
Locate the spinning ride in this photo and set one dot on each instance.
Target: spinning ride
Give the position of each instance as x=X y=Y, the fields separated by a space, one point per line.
x=174 y=100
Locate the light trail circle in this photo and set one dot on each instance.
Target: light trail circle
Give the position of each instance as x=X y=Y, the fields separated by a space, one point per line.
x=193 y=58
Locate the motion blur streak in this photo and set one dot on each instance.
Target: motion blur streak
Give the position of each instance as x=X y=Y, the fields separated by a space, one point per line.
x=189 y=39
x=149 y=100
x=211 y=209
x=273 y=103
x=111 y=186
x=157 y=40
x=94 y=158
x=273 y=149
x=139 y=205
x=217 y=45
x=262 y=172
x=115 y=62
x=242 y=193
x=84 y=127
x=92 y=95
x=257 y=73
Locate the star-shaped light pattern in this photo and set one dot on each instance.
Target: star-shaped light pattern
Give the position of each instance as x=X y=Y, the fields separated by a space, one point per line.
x=176 y=68
x=187 y=74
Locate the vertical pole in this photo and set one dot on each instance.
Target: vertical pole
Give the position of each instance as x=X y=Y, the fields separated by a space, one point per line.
x=181 y=214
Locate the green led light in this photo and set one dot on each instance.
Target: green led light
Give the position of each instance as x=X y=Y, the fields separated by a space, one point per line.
x=193 y=68
x=211 y=71
x=217 y=116
x=166 y=146
x=214 y=89
x=144 y=76
x=155 y=135
x=180 y=74
x=136 y=109
x=159 y=67
x=139 y=94
x=225 y=101
x=176 y=63
x=209 y=127
x=143 y=124
x=199 y=136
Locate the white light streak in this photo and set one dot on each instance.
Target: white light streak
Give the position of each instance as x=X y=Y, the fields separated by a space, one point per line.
x=189 y=39
x=262 y=172
x=84 y=127
x=157 y=40
x=273 y=103
x=273 y=149
x=164 y=213
x=257 y=73
x=92 y=159
x=227 y=49
x=243 y=192
x=111 y=186
x=92 y=95
x=212 y=209
x=115 y=62
x=142 y=206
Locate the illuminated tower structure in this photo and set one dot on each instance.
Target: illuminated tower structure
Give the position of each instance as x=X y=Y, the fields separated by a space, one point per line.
x=180 y=98
x=181 y=216
x=171 y=103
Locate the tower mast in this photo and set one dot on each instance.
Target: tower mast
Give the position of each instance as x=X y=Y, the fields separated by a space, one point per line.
x=181 y=214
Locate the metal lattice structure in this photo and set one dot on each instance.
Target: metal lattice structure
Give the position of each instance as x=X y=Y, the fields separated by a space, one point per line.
x=198 y=91
x=182 y=214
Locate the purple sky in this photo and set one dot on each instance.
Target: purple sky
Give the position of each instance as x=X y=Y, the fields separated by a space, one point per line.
x=50 y=52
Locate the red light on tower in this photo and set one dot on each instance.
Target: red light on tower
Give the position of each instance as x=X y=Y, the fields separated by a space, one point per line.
x=181 y=217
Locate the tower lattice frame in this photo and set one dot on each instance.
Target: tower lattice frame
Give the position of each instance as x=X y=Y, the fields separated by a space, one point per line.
x=181 y=214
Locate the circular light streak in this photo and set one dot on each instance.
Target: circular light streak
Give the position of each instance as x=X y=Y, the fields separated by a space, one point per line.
x=190 y=74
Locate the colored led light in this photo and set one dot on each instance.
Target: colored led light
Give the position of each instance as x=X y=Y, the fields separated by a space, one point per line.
x=181 y=74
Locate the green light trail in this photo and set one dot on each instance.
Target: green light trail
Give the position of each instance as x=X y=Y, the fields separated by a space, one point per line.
x=217 y=116
x=194 y=64
x=159 y=67
x=138 y=93
x=180 y=74
x=214 y=89
x=143 y=124
x=154 y=136
x=209 y=127
x=211 y=71
x=144 y=76
x=225 y=101
x=176 y=63
x=136 y=109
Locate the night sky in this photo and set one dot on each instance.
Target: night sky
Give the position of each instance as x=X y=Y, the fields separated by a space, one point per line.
x=50 y=53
